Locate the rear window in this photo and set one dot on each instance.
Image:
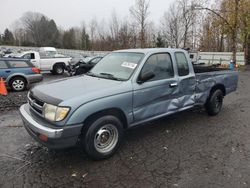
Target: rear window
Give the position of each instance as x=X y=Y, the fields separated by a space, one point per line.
x=182 y=64
x=29 y=56
x=3 y=65
x=18 y=64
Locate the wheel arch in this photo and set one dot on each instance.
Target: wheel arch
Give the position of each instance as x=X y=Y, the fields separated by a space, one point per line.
x=59 y=63
x=109 y=111
x=8 y=80
x=214 y=88
x=218 y=86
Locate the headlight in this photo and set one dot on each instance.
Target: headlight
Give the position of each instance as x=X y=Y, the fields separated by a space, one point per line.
x=54 y=113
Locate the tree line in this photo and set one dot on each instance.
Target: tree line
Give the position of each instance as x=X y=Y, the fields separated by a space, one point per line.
x=195 y=24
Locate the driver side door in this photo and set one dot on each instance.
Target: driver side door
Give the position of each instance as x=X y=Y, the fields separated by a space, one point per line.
x=156 y=96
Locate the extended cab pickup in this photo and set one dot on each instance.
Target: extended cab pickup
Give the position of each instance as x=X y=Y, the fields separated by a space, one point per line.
x=126 y=88
x=47 y=60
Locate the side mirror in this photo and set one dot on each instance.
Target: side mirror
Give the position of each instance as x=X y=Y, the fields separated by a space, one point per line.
x=145 y=77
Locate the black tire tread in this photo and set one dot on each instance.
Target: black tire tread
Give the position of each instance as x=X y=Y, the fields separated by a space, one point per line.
x=89 y=132
x=209 y=104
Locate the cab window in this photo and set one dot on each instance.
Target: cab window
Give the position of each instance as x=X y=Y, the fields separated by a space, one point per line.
x=29 y=56
x=161 y=65
x=182 y=64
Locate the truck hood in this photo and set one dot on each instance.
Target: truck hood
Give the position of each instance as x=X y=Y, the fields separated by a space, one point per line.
x=84 y=88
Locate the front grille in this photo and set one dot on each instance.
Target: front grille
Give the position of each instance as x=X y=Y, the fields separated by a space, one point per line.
x=35 y=104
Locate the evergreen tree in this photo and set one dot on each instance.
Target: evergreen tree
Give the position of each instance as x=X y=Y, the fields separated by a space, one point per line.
x=69 y=41
x=159 y=41
x=85 y=40
x=8 y=38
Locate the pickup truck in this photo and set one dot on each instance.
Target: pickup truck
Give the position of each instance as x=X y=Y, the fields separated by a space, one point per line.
x=126 y=88
x=47 y=60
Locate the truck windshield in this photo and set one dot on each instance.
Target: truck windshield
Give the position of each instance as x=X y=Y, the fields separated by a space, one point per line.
x=117 y=65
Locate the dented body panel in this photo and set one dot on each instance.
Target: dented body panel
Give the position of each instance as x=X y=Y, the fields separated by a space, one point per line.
x=206 y=81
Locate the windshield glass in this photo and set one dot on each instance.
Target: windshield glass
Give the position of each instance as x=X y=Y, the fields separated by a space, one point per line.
x=119 y=65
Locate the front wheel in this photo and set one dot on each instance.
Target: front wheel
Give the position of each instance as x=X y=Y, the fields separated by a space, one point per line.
x=214 y=103
x=103 y=137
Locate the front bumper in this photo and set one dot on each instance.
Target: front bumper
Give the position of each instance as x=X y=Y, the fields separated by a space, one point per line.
x=57 y=138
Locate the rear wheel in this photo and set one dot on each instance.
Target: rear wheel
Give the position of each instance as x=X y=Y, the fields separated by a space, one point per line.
x=58 y=69
x=18 y=84
x=214 y=102
x=103 y=137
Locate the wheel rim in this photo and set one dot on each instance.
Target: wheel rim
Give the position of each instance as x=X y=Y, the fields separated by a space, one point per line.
x=18 y=85
x=59 y=70
x=106 y=138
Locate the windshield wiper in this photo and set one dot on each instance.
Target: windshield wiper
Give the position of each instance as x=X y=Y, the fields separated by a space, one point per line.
x=111 y=76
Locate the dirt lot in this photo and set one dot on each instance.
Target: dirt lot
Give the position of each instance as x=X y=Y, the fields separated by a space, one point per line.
x=189 y=149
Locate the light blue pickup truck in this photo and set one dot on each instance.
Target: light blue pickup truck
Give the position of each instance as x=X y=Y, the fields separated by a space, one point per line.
x=126 y=88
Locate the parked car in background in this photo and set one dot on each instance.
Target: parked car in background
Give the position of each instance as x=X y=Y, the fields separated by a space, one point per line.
x=83 y=66
x=126 y=88
x=76 y=58
x=47 y=59
x=19 y=73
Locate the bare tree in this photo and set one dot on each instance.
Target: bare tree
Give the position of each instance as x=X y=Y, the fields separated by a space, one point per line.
x=230 y=19
x=18 y=32
x=140 y=12
x=92 y=28
x=187 y=19
x=30 y=21
x=114 y=25
x=171 y=27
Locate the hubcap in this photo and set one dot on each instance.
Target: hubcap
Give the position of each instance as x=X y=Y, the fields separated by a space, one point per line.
x=18 y=85
x=59 y=70
x=106 y=138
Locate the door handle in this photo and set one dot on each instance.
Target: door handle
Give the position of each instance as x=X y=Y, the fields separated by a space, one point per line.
x=8 y=71
x=173 y=85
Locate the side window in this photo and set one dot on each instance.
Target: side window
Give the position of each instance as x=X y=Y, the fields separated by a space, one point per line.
x=3 y=65
x=27 y=56
x=160 y=65
x=182 y=64
x=18 y=64
x=32 y=56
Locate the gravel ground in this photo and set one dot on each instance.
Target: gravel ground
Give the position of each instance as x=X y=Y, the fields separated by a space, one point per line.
x=189 y=149
x=15 y=99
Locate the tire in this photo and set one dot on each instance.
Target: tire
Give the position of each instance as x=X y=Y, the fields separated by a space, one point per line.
x=58 y=69
x=18 y=84
x=102 y=137
x=214 y=103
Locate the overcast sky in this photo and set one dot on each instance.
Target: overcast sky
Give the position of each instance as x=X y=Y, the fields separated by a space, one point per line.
x=67 y=13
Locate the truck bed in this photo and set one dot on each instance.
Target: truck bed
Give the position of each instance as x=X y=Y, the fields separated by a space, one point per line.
x=210 y=77
x=207 y=68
